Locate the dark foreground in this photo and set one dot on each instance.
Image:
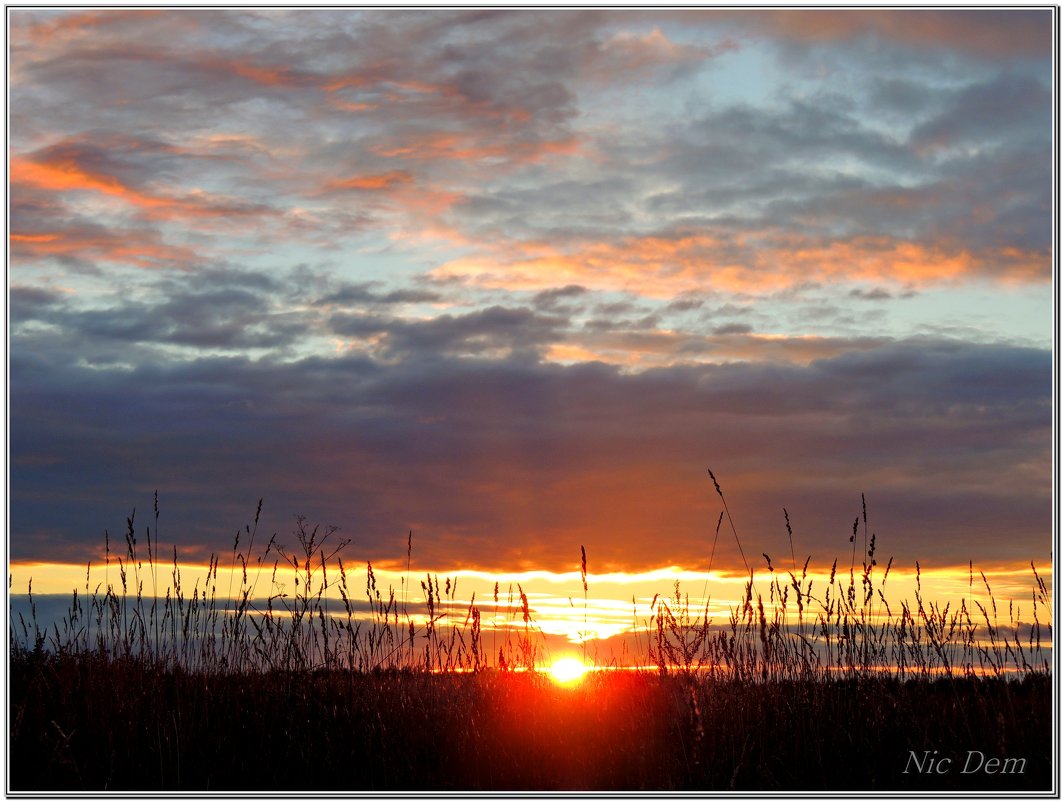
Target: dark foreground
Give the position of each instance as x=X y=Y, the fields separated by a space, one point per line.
x=84 y=724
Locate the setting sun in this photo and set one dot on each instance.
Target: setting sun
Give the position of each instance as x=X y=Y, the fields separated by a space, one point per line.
x=567 y=671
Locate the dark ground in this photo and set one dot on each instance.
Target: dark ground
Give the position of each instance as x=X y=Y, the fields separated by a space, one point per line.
x=85 y=724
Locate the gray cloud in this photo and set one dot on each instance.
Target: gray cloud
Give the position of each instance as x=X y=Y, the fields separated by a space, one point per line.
x=991 y=110
x=489 y=459
x=877 y=293
x=733 y=328
x=217 y=308
x=480 y=332
x=24 y=300
x=365 y=294
x=904 y=97
x=552 y=298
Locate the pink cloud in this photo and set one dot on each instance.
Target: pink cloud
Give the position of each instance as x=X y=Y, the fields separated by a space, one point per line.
x=990 y=33
x=665 y=266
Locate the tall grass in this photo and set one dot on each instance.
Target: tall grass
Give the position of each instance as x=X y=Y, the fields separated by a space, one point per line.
x=283 y=674
x=847 y=629
x=783 y=628
x=255 y=622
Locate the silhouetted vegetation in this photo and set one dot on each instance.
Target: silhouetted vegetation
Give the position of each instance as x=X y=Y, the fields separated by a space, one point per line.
x=86 y=722
x=249 y=687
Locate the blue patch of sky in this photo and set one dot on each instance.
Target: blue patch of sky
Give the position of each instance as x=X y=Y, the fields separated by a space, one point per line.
x=745 y=76
x=981 y=311
x=741 y=76
x=977 y=312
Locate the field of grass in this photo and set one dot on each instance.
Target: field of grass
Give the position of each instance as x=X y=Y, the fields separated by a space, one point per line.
x=241 y=688
x=88 y=723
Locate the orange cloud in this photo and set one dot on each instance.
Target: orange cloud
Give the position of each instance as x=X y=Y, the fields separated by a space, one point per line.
x=452 y=146
x=372 y=183
x=344 y=105
x=664 y=266
x=983 y=32
x=62 y=173
x=78 y=24
x=372 y=83
x=137 y=248
x=66 y=175
x=264 y=75
x=638 y=350
x=626 y=56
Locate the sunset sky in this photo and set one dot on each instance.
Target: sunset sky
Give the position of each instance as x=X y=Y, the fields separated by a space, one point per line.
x=514 y=280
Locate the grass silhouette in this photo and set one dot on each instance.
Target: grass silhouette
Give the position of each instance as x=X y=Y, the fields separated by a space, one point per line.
x=256 y=688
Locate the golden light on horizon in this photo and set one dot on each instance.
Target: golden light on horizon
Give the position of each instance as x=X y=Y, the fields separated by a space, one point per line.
x=567 y=671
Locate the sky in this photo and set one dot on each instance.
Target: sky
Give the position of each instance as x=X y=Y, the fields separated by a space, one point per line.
x=515 y=280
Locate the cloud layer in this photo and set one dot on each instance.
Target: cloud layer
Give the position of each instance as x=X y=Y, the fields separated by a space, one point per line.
x=513 y=462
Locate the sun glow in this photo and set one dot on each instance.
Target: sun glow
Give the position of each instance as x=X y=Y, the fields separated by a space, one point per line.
x=567 y=671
